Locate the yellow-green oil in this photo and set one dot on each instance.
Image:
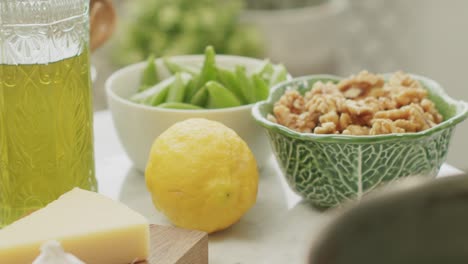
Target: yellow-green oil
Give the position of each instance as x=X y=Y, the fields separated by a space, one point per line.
x=46 y=137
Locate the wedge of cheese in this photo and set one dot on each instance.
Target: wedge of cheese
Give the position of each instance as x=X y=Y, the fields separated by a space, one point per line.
x=88 y=225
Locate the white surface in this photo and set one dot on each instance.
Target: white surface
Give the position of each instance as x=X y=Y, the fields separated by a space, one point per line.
x=279 y=229
x=138 y=125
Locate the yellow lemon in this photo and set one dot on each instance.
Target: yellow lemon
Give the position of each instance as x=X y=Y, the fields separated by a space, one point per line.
x=202 y=175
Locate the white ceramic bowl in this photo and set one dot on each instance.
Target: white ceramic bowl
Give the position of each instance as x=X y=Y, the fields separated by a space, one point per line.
x=139 y=125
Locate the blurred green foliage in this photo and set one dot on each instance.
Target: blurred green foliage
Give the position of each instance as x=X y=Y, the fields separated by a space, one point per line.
x=281 y=4
x=172 y=27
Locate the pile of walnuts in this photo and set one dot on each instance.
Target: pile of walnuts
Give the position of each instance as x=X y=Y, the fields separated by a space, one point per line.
x=361 y=105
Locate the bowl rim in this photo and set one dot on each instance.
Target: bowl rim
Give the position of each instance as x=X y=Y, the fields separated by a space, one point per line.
x=417 y=189
x=180 y=58
x=461 y=114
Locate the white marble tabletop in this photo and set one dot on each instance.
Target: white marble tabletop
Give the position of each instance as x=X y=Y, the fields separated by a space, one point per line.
x=278 y=229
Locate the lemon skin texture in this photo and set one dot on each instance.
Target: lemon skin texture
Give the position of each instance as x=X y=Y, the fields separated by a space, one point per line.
x=202 y=175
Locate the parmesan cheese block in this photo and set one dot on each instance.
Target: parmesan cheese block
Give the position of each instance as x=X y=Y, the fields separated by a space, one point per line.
x=88 y=225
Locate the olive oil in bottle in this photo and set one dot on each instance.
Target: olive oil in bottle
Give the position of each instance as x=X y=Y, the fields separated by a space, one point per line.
x=46 y=141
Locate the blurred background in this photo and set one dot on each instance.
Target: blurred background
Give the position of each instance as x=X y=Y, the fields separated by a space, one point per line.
x=425 y=37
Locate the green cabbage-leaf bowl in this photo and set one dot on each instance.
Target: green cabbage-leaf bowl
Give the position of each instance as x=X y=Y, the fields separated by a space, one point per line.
x=328 y=170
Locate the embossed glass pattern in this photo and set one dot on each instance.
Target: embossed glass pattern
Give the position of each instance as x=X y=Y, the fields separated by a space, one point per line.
x=46 y=142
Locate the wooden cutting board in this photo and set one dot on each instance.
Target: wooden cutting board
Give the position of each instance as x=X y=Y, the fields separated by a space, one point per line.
x=170 y=245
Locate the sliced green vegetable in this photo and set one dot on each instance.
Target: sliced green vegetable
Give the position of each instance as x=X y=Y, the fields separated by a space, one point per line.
x=177 y=90
x=208 y=71
x=229 y=80
x=150 y=75
x=174 y=68
x=209 y=87
x=159 y=97
x=280 y=74
x=245 y=84
x=261 y=89
x=200 y=97
x=266 y=70
x=179 y=106
x=220 y=97
x=190 y=93
x=153 y=95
